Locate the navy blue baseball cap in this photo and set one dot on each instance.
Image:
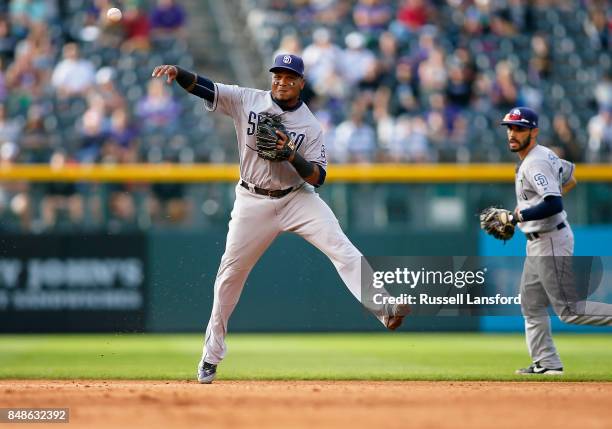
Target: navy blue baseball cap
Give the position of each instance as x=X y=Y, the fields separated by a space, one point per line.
x=288 y=62
x=522 y=117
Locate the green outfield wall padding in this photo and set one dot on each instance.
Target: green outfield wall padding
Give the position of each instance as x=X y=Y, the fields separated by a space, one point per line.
x=301 y=293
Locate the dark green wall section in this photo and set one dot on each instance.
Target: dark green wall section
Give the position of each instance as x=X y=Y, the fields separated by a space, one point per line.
x=302 y=293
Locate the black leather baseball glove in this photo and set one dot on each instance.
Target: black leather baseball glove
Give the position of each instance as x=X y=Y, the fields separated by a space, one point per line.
x=266 y=139
x=497 y=222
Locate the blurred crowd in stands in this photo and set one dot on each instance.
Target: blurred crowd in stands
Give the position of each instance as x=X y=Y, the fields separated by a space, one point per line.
x=429 y=80
x=76 y=88
x=391 y=81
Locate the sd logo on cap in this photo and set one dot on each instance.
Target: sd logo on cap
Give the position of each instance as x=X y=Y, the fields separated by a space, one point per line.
x=288 y=62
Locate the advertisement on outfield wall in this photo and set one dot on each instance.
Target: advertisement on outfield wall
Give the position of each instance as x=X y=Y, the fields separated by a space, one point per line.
x=72 y=283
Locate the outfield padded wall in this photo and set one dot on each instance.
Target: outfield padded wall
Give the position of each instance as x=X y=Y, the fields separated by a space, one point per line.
x=301 y=293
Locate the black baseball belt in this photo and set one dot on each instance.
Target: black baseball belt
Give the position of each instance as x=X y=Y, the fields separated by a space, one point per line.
x=535 y=235
x=279 y=193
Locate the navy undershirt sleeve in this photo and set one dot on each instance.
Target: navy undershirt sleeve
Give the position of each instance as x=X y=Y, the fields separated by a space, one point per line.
x=322 y=175
x=551 y=205
x=204 y=88
x=303 y=167
x=196 y=84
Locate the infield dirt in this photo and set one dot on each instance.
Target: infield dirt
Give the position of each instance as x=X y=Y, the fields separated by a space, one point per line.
x=317 y=404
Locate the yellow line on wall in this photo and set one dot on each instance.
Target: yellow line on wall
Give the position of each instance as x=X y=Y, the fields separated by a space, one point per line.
x=350 y=173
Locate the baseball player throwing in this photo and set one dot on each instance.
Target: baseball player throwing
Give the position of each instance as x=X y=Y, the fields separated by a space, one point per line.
x=276 y=191
x=541 y=179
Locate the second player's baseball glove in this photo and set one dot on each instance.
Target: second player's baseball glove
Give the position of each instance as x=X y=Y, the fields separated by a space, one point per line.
x=497 y=223
x=266 y=138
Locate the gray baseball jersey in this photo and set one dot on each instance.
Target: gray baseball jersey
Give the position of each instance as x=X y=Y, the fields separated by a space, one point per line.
x=547 y=274
x=539 y=175
x=243 y=105
x=257 y=220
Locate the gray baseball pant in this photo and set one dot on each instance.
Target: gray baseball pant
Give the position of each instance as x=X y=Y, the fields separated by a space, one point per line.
x=255 y=223
x=548 y=280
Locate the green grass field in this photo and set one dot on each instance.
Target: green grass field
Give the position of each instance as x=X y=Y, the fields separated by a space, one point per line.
x=401 y=356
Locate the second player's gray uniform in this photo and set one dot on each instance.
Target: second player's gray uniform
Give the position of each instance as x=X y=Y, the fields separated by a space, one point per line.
x=547 y=275
x=256 y=220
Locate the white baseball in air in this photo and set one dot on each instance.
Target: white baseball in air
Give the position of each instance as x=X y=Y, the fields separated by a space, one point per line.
x=114 y=14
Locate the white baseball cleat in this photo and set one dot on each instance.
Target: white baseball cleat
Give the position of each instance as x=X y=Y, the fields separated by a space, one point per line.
x=207 y=372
